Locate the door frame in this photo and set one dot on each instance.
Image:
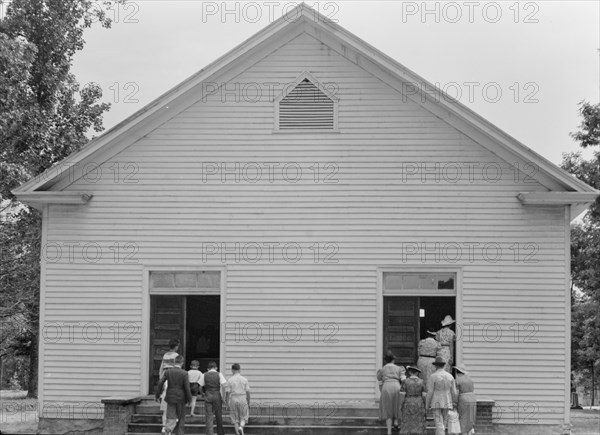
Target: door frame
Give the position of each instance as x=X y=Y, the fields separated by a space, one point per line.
x=146 y=321
x=378 y=360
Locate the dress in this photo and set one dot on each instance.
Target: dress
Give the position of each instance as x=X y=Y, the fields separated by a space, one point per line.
x=446 y=337
x=389 y=405
x=413 y=419
x=428 y=349
x=467 y=402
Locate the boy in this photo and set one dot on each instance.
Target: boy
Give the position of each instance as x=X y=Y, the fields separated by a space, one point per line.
x=212 y=381
x=238 y=398
x=194 y=375
x=178 y=395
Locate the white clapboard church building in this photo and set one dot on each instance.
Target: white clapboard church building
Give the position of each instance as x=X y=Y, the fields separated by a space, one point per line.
x=299 y=206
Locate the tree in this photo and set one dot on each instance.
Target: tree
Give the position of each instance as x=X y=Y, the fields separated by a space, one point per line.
x=587 y=170
x=585 y=309
x=44 y=116
x=585 y=255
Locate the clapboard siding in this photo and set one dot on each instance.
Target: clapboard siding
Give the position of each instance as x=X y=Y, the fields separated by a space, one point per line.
x=374 y=209
x=91 y=333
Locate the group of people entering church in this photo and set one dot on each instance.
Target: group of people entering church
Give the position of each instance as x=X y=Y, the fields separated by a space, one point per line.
x=178 y=388
x=408 y=393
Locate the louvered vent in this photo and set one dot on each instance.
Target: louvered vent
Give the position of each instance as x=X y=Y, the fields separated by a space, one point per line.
x=306 y=108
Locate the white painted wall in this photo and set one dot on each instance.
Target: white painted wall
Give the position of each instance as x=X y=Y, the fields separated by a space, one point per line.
x=375 y=214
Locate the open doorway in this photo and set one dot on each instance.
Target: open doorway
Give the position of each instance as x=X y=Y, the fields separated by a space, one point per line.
x=432 y=311
x=194 y=320
x=407 y=320
x=202 y=330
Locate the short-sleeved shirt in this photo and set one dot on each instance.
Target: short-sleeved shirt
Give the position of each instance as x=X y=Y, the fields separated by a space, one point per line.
x=238 y=385
x=194 y=376
x=167 y=362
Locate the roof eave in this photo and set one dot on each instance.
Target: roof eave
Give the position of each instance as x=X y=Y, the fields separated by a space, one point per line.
x=557 y=198
x=38 y=199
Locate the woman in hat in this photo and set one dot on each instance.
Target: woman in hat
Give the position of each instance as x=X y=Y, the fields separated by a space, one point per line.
x=446 y=337
x=390 y=376
x=413 y=420
x=428 y=349
x=467 y=402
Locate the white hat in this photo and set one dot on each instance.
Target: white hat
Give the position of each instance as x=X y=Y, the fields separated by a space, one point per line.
x=448 y=320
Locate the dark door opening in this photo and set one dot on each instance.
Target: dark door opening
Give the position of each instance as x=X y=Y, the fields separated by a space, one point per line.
x=433 y=310
x=202 y=330
x=407 y=320
x=194 y=320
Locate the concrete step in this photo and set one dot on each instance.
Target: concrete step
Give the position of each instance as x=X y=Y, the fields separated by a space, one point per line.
x=142 y=419
x=273 y=418
x=287 y=430
x=374 y=427
x=288 y=411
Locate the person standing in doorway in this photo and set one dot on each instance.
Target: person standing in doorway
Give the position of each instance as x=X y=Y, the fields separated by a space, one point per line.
x=238 y=399
x=446 y=337
x=441 y=395
x=178 y=395
x=212 y=382
x=428 y=349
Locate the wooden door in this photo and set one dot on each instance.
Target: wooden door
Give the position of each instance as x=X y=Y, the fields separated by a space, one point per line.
x=401 y=328
x=167 y=320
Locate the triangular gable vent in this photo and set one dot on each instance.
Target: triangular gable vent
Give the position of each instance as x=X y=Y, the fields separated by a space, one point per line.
x=306 y=107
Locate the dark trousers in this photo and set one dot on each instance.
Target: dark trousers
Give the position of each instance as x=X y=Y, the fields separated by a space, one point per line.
x=214 y=408
x=176 y=411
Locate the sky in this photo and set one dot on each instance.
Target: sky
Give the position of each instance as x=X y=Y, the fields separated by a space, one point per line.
x=524 y=66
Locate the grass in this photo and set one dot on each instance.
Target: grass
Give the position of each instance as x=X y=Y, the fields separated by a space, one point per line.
x=585 y=422
x=17 y=413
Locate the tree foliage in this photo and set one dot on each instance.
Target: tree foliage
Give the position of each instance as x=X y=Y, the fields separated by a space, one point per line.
x=585 y=254
x=589 y=130
x=44 y=116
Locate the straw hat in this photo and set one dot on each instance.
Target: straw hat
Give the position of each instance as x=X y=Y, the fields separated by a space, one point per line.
x=461 y=368
x=448 y=320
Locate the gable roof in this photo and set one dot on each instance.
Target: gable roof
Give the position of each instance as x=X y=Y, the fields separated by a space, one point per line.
x=276 y=34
